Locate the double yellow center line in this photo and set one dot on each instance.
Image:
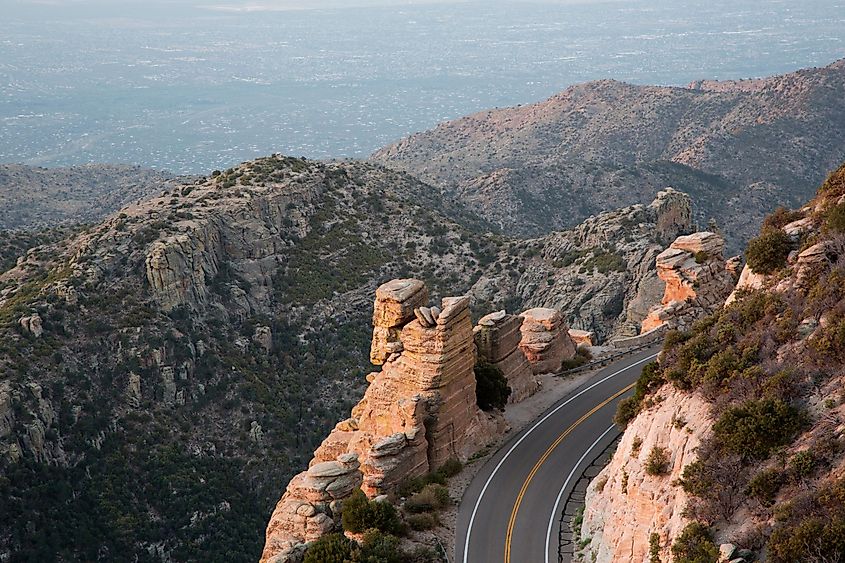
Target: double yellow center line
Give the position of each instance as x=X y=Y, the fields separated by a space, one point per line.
x=542 y=460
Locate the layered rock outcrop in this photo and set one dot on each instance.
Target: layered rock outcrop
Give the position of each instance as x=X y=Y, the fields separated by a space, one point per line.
x=394 y=308
x=498 y=337
x=698 y=280
x=625 y=504
x=417 y=413
x=545 y=340
x=310 y=507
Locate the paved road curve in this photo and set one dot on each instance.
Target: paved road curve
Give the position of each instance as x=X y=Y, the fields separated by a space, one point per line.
x=511 y=509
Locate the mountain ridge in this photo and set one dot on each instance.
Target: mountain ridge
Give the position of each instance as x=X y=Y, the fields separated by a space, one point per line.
x=760 y=146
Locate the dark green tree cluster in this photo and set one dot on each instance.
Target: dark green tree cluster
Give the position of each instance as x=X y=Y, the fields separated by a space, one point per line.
x=491 y=387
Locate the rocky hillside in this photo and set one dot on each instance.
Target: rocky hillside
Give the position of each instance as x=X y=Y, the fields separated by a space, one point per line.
x=735 y=442
x=32 y=198
x=738 y=148
x=165 y=370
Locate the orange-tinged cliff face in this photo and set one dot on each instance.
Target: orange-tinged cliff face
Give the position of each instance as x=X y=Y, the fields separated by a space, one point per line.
x=698 y=279
x=748 y=410
x=625 y=504
x=416 y=414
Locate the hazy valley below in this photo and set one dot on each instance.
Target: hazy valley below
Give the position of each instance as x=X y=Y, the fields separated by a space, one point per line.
x=203 y=89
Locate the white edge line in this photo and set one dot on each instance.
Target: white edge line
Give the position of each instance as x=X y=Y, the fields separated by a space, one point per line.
x=524 y=436
x=566 y=484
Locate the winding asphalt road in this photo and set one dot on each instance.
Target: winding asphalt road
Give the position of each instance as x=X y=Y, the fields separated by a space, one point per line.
x=510 y=511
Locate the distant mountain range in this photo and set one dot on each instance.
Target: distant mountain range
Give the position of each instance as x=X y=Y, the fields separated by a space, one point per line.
x=739 y=148
x=164 y=369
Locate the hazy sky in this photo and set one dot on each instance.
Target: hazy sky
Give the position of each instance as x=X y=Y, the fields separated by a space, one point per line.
x=28 y=6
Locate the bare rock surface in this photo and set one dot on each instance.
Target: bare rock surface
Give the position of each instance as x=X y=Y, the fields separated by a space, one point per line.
x=625 y=504
x=697 y=281
x=417 y=413
x=498 y=337
x=545 y=340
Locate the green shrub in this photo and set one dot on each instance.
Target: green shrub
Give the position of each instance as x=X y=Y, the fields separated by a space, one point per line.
x=834 y=219
x=361 y=514
x=654 y=548
x=491 y=387
x=813 y=521
x=827 y=538
x=380 y=548
x=627 y=410
x=764 y=486
x=331 y=548
x=834 y=186
x=781 y=217
x=754 y=428
x=415 y=484
x=802 y=465
x=657 y=462
x=701 y=257
x=451 y=467
x=423 y=521
x=432 y=497
x=650 y=379
x=768 y=252
x=695 y=545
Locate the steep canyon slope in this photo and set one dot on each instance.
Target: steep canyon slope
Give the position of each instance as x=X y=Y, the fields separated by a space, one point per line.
x=739 y=148
x=735 y=441
x=165 y=370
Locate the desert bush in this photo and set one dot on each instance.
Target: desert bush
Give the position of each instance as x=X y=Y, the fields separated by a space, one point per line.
x=802 y=465
x=781 y=217
x=753 y=429
x=834 y=186
x=829 y=342
x=717 y=485
x=657 y=462
x=768 y=252
x=361 y=514
x=695 y=545
x=764 y=486
x=331 y=548
x=650 y=379
x=380 y=548
x=423 y=521
x=654 y=548
x=432 y=497
x=491 y=387
x=834 y=219
x=450 y=467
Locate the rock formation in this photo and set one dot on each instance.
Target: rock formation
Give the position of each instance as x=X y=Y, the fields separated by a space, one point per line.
x=625 y=504
x=309 y=508
x=394 y=308
x=698 y=280
x=545 y=340
x=497 y=337
x=417 y=413
x=582 y=337
x=32 y=325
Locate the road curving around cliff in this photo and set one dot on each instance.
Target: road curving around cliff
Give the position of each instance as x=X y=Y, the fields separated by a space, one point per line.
x=510 y=510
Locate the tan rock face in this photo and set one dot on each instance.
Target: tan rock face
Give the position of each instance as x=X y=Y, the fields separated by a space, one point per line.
x=418 y=412
x=698 y=280
x=748 y=280
x=624 y=504
x=545 y=340
x=497 y=337
x=305 y=512
x=394 y=307
x=581 y=337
